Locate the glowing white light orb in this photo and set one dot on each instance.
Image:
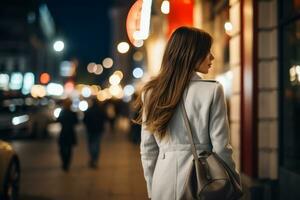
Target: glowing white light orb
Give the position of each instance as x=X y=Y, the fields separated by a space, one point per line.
x=114 y=79
x=128 y=90
x=56 y=112
x=55 y=89
x=228 y=26
x=165 y=7
x=116 y=91
x=138 y=72
x=58 y=46
x=123 y=47
x=138 y=43
x=83 y=105
x=19 y=119
x=86 y=92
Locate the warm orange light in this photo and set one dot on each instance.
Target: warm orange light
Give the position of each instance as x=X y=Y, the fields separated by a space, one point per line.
x=69 y=87
x=133 y=20
x=44 y=78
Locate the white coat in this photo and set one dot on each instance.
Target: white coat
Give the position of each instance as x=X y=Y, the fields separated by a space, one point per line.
x=165 y=162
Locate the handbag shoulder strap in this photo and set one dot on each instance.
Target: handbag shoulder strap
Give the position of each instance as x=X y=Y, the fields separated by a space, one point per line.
x=188 y=127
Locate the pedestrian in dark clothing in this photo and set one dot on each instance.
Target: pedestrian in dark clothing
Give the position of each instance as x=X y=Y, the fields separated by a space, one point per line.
x=94 y=120
x=111 y=112
x=67 y=138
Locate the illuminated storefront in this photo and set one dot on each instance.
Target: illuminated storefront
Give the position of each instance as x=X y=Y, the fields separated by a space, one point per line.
x=289 y=74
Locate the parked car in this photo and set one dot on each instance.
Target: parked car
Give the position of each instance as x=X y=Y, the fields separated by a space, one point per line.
x=24 y=118
x=9 y=172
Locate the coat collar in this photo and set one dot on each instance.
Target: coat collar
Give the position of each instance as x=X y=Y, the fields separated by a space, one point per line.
x=196 y=76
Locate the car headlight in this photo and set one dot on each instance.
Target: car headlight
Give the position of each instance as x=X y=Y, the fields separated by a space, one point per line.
x=19 y=119
x=56 y=112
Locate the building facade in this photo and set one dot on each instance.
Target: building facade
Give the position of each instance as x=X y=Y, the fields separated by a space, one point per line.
x=27 y=32
x=256 y=48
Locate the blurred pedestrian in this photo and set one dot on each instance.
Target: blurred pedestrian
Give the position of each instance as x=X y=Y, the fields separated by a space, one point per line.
x=165 y=145
x=94 y=120
x=111 y=112
x=67 y=138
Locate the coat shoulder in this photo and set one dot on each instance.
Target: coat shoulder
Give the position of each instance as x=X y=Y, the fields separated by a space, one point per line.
x=206 y=80
x=206 y=83
x=203 y=87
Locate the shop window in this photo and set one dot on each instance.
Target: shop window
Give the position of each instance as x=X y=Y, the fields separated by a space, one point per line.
x=291 y=100
x=290 y=8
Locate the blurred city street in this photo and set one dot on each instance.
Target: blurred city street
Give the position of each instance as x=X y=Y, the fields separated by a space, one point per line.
x=83 y=64
x=118 y=176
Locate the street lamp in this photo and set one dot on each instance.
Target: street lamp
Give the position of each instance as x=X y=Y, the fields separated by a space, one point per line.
x=58 y=45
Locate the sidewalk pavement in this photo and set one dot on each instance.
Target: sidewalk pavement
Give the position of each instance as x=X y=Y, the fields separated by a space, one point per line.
x=118 y=177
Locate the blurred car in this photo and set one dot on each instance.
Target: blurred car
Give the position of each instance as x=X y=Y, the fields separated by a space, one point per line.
x=9 y=172
x=24 y=117
x=14 y=119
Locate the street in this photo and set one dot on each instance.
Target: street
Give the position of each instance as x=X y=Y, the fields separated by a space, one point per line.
x=118 y=176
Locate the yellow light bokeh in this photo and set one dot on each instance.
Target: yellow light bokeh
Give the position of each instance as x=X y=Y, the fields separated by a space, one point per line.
x=119 y=74
x=95 y=89
x=114 y=79
x=116 y=91
x=38 y=91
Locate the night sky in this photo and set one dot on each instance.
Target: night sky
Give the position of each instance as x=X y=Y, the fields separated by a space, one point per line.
x=85 y=28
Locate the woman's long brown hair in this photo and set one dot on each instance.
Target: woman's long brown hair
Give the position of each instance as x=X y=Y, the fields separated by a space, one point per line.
x=185 y=50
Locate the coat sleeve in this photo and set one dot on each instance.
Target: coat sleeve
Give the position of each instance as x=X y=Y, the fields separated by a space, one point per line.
x=149 y=154
x=219 y=129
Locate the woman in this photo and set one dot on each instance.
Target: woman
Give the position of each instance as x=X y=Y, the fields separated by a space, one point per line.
x=165 y=148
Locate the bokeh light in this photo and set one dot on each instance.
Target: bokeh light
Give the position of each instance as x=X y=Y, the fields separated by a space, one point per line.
x=114 y=79
x=83 y=105
x=138 y=72
x=165 y=7
x=116 y=91
x=123 y=47
x=138 y=43
x=91 y=68
x=99 y=69
x=107 y=63
x=56 y=112
x=38 y=91
x=86 y=92
x=119 y=74
x=28 y=82
x=44 y=78
x=16 y=81
x=55 y=89
x=58 y=45
x=228 y=27
x=129 y=90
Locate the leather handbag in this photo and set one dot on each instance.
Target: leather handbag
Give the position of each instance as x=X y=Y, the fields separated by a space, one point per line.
x=208 y=177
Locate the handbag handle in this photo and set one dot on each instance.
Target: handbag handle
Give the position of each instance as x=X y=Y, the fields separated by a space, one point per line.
x=188 y=127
